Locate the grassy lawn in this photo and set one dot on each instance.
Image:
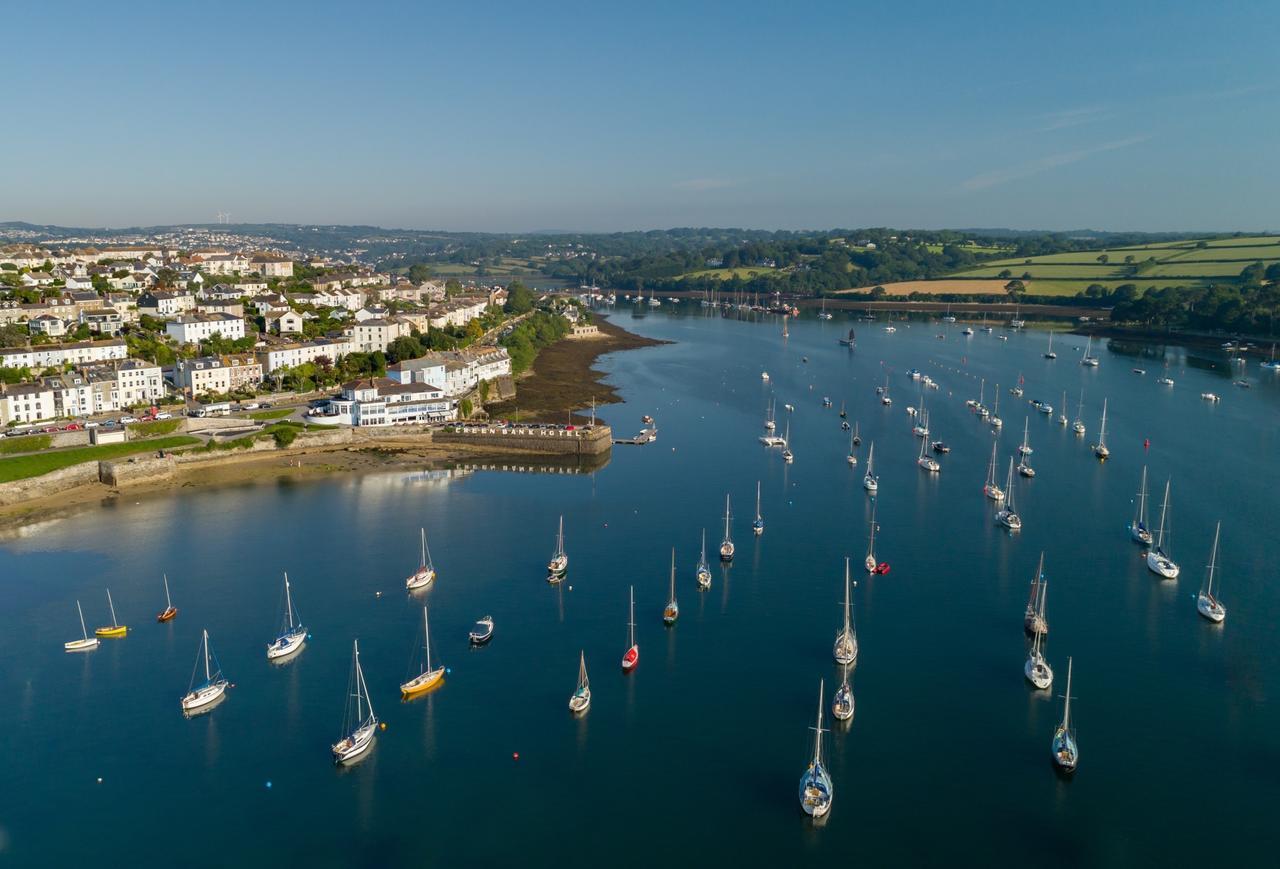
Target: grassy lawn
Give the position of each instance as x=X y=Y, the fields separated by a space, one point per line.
x=271 y=414
x=1051 y=270
x=29 y=444
x=155 y=428
x=23 y=467
x=1244 y=253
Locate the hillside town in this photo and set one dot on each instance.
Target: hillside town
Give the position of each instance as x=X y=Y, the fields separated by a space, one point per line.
x=87 y=331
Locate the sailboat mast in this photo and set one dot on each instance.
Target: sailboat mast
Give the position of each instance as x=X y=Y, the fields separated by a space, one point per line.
x=726 y=513
x=817 y=744
x=426 y=638
x=757 y=500
x=1164 y=508
x=207 y=675
x=847 y=620
x=1213 y=560
x=673 y=574
x=112 y=607
x=631 y=623
x=83 y=629
x=167 y=602
x=288 y=601
x=1066 y=708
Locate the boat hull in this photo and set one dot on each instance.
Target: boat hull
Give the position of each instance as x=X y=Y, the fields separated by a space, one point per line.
x=88 y=644
x=842 y=705
x=204 y=697
x=356 y=745
x=423 y=683
x=816 y=792
x=1210 y=609
x=112 y=632
x=167 y=615
x=287 y=644
x=1038 y=674
x=704 y=578
x=631 y=658
x=1065 y=753
x=580 y=702
x=423 y=578
x=1162 y=565
x=726 y=552
x=1010 y=520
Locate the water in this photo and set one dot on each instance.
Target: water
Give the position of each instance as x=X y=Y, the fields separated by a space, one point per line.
x=945 y=761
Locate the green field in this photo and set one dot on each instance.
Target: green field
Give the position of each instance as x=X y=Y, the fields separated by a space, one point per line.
x=28 y=444
x=1176 y=263
x=724 y=274
x=22 y=467
x=978 y=249
x=155 y=428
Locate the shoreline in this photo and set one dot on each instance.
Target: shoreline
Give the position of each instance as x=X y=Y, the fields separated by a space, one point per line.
x=564 y=379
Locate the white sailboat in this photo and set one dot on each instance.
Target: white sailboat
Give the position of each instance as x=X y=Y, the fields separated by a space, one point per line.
x=426 y=572
x=852 y=458
x=86 y=643
x=995 y=420
x=845 y=648
x=1008 y=516
x=991 y=489
x=292 y=633
x=870 y=562
x=1158 y=561
x=1066 y=754
x=559 y=562
x=428 y=676
x=769 y=423
x=870 y=481
x=1088 y=359
x=726 y=547
x=816 y=791
x=1100 y=448
x=1033 y=619
x=1025 y=450
x=214 y=685
x=359 y=723
x=1140 y=527
x=757 y=526
x=1037 y=669
x=1062 y=410
x=580 y=700
x=787 y=455
x=1049 y=354
x=703 y=570
x=1078 y=425
x=926 y=461
x=671 y=611
x=842 y=700
x=1207 y=602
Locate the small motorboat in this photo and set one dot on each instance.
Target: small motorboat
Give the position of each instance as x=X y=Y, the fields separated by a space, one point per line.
x=764 y=375
x=826 y=402
x=1210 y=396
x=941 y=448
x=646 y=419
x=1139 y=371
x=482 y=632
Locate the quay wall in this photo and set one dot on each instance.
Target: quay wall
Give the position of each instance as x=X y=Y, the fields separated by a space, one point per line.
x=17 y=491
x=579 y=442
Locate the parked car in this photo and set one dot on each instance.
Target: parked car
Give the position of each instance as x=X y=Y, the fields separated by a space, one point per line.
x=73 y=426
x=253 y=405
x=92 y=424
x=265 y=405
x=164 y=414
x=127 y=420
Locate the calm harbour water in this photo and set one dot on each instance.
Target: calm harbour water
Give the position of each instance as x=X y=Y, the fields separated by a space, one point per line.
x=695 y=756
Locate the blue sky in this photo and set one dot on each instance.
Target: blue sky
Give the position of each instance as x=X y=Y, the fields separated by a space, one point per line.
x=609 y=116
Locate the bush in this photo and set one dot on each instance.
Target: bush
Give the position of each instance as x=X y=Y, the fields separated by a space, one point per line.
x=284 y=435
x=464 y=408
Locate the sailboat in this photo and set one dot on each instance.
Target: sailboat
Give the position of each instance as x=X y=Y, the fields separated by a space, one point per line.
x=1033 y=620
x=921 y=428
x=1157 y=560
x=214 y=685
x=1062 y=409
x=823 y=315
x=1078 y=425
x=842 y=701
x=849 y=340
x=581 y=697
x=784 y=325
x=1100 y=448
x=359 y=723
x=852 y=458
x=979 y=406
x=1049 y=354
x=632 y=655
x=726 y=547
x=169 y=610
x=703 y=571
x=1037 y=669
x=115 y=629
x=428 y=677
x=884 y=393
x=870 y=481
x=426 y=572
x=757 y=526
x=1206 y=601
x=86 y=643
x=1008 y=517
x=1016 y=390
x=990 y=488
x=559 y=562
x=857 y=438
x=1088 y=358
x=769 y=423
x=1025 y=450
x=787 y=455
x=1065 y=752
x=1271 y=364
x=1140 y=528
x=845 y=649
x=815 y=785
x=672 y=610
x=292 y=633
x=947 y=318
x=926 y=461
x=870 y=562
x=843 y=414
x=996 y=421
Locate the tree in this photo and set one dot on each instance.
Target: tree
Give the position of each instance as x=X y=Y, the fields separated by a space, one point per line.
x=879 y=292
x=519 y=299
x=1129 y=258
x=1005 y=273
x=419 y=272
x=404 y=347
x=1104 y=259
x=1273 y=272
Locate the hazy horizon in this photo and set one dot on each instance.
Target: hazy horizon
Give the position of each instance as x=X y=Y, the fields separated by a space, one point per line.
x=498 y=117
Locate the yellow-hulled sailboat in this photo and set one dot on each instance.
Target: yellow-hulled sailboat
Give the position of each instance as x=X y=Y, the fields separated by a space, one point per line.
x=115 y=629
x=429 y=677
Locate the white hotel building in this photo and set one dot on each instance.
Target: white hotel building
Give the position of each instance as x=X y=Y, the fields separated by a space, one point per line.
x=194 y=328
x=57 y=355
x=380 y=401
x=289 y=355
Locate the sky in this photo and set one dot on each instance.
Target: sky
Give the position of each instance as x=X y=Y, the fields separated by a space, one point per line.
x=603 y=116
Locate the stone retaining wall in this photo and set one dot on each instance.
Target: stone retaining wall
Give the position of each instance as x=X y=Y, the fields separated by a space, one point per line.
x=595 y=442
x=51 y=483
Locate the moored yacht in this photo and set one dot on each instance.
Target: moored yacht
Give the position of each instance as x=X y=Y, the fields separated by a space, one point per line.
x=1140 y=526
x=991 y=489
x=816 y=790
x=703 y=571
x=1065 y=752
x=1207 y=602
x=86 y=643
x=1037 y=669
x=213 y=687
x=726 y=547
x=845 y=649
x=559 y=562
x=870 y=481
x=426 y=572
x=292 y=634
x=1007 y=515
x=359 y=723
x=1158 y=561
